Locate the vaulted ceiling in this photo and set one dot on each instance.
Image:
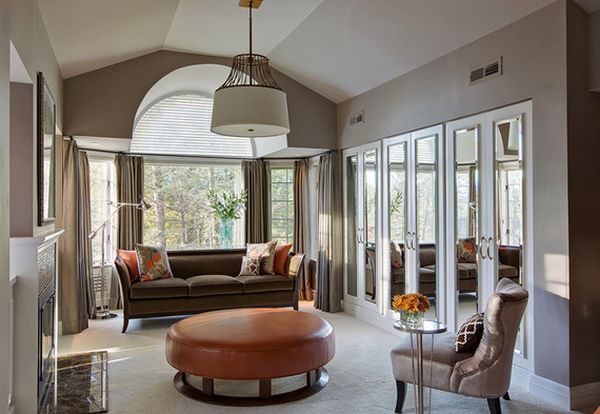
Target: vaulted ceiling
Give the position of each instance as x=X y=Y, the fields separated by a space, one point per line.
x=339 y=48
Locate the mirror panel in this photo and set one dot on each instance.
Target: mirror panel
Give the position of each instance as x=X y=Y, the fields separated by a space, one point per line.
x=351 y=225
x=426 y=216
x=467 y=207
x=370 y=224
x=398 y=219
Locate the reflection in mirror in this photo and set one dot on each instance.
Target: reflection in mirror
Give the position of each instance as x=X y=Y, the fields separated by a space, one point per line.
x=351 y=229
x=370 y=224
x=426 y=197
x=397 y=209
x=466 y=170
x=509 y=203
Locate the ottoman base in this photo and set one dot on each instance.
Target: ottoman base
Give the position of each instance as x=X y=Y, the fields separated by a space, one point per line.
x=315 y=382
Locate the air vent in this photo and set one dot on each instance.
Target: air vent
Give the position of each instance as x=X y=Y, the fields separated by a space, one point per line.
x=357 y=118
x=489 y=70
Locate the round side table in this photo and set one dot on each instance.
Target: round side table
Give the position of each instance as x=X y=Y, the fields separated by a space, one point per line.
x=427 y=327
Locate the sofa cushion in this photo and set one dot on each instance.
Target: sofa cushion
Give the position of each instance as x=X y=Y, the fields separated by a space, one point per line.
x=467 y=270
x=173 y=287
x=427 y=274
x=266 y=283
x=207 y=285
x=507 y=271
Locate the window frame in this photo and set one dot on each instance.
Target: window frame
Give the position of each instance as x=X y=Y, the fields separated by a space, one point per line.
x=289 y=201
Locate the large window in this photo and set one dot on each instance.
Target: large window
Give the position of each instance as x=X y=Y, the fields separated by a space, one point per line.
x=282 y=204
x=102 y=197
x=180 y=217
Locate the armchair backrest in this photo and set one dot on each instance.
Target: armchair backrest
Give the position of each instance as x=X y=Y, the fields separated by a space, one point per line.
x=295 y=265
x=487 y=373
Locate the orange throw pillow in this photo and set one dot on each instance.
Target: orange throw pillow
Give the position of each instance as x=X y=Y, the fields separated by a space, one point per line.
x=131 y=260
x=281 y=256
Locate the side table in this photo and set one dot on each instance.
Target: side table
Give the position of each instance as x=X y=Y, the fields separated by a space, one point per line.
x=427 y=327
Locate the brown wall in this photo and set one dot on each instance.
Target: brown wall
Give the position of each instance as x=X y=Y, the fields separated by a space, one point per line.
x=104 y=102
x=21 y=160
x=583 y=117
x=534 y=52
x=594 y=49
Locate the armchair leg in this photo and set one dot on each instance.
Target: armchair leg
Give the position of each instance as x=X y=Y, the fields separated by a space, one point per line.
x=125 y=323
x=401 y=395
x=494 y=405
x=506 y=396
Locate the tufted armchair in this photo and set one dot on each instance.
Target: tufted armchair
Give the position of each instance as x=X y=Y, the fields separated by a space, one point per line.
x=483 y=374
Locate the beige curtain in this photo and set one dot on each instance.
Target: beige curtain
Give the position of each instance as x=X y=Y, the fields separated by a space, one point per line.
x=75 y=289
x=301 y=225
x=330 y=279
x=257 y=182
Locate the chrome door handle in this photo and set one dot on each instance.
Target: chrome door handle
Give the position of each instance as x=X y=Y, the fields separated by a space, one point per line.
x=407 y=241
x=414 y=241
x=481 y=248
x=490 y=241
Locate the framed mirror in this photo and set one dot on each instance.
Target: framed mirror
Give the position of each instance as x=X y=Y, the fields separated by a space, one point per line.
x=46 y=152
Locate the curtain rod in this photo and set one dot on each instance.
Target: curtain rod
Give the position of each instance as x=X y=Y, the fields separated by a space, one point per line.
x=198 y=156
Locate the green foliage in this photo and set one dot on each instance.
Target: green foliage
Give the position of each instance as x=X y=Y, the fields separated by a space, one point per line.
x=397 y=205
x=227 y=205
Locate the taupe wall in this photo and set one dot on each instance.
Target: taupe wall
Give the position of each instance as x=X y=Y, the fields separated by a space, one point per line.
x=583 y=112
x=594 y=49
x=534 y=52
x=22 y=211
x=4 y=202
x=104 y=102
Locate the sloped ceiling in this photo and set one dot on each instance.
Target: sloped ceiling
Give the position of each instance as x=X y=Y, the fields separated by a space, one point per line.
x=339 y=48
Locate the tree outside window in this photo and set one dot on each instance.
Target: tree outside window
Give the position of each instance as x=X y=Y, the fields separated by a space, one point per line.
x=282 y=204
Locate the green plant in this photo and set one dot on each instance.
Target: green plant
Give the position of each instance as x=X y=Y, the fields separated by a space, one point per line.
x=396 y=206
x=227 y=205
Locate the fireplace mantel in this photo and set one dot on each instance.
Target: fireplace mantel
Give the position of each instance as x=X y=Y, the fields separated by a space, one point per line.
x=34 y=266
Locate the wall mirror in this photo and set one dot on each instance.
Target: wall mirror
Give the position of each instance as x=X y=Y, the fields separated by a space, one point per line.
x=46 y=152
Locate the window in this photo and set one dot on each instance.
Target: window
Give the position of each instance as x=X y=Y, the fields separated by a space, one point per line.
x=463 y=189
x=102 y=198
x=180 y=217
x=510 y=204
x=282 y=204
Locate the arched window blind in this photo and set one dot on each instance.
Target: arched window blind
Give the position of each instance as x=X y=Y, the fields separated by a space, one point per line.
x=180 y=125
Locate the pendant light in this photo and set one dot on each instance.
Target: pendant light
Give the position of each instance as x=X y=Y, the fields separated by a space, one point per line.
x=250 y=103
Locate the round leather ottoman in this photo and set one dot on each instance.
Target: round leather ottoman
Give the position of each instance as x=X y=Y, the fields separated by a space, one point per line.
x=250 y=344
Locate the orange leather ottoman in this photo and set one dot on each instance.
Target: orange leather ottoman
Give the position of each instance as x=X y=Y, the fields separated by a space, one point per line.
x=250 y=344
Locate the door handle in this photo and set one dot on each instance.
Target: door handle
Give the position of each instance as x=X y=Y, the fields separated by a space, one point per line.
x=407 y=241
x=414 y=241
x=490 y=241
x=481 y=253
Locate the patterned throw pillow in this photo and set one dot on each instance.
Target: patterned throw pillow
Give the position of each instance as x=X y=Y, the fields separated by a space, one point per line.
x=265 y=252
x=250 y=266
x=153 y=263
x=470 y=333
x=467 y=251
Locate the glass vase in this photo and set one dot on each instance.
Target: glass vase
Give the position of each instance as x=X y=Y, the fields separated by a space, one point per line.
x=226 y=233
x=412 y=319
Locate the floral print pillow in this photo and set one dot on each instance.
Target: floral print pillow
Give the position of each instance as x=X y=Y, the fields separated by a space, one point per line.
x=250 y=266
x=467 y=251
x=153 y=263
x=265 y=252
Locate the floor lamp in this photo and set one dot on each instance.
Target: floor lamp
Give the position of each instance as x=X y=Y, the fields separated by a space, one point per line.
x=104 y=312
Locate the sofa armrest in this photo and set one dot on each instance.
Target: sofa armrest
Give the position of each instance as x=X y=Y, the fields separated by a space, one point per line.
x=295 y=266
x=124 y=277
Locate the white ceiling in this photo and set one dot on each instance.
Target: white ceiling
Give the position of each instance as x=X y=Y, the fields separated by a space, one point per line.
x=339 y=48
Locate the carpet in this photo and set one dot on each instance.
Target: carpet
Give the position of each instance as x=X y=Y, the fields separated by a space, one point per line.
x=361 y=381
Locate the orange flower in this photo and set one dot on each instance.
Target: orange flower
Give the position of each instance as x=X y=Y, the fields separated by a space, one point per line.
x=410 y=302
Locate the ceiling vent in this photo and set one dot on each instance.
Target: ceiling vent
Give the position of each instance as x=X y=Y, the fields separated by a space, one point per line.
x=357 y=118
x=488 y=70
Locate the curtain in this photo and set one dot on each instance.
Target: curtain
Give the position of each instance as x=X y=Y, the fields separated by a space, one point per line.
x=130 y=224
x=257 y=182
x=330 y=279
x=301 y=225
x=76 y=292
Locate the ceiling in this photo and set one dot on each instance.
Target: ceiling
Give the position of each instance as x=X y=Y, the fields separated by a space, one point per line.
x=339 y=48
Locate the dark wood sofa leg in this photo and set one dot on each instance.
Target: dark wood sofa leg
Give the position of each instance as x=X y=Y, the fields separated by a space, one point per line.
x=506 y=396
x=401 y=395
x=494 y=405
x=125 y=324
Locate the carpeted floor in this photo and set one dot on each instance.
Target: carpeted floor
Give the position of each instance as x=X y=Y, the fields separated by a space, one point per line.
x=141 y=381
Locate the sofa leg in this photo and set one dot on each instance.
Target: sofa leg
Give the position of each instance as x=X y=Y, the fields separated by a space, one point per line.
x=401 y=395
x=506 y=396
x=125 y=324
x=494 y=405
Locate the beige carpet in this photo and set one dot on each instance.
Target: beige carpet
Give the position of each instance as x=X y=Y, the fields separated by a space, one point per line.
x=141 y=381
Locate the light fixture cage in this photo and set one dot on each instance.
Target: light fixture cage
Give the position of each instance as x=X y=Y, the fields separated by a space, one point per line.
x=250 y=69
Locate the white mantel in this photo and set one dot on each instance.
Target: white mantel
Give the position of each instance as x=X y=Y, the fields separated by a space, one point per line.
x=24 y=270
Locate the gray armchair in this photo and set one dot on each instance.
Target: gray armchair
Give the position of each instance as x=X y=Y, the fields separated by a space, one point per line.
x=483 y=374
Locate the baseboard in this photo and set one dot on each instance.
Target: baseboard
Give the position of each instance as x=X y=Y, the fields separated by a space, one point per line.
x=370 y=317
x=586 y=395
x=550 y=391
x=521 y=377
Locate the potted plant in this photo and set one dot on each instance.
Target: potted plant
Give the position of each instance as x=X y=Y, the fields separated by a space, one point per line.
x=411 y=307
x=227 y=206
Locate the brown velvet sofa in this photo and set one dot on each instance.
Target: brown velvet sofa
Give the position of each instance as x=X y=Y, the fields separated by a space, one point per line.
x=206 y=280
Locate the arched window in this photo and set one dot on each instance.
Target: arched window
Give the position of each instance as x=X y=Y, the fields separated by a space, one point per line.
x=180 y=125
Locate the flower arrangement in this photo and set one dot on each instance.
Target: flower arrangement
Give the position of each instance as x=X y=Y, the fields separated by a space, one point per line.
x=227 y=205
x=412 y=307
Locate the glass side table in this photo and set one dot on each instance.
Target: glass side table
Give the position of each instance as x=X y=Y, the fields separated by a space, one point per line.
x=427 y=327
